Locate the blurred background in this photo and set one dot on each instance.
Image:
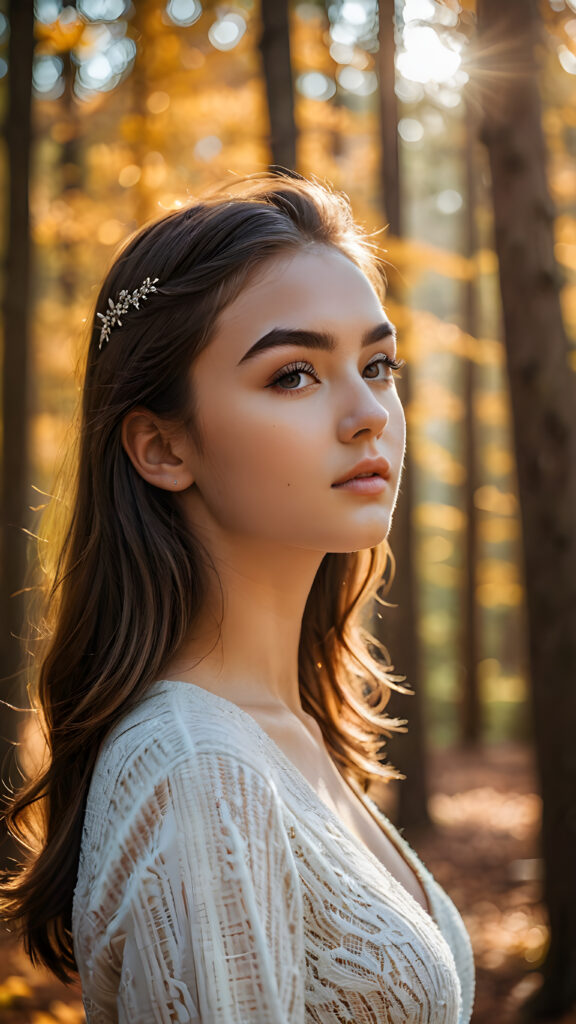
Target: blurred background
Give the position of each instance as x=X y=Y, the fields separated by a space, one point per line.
x=452 y=128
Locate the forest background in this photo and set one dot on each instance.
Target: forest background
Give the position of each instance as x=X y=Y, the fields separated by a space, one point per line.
x=452 y=128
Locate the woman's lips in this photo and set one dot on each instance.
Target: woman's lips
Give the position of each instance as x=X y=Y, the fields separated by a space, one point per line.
x=363 y=485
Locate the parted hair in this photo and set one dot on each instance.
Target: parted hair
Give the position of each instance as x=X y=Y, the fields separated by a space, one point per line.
x=125 y=577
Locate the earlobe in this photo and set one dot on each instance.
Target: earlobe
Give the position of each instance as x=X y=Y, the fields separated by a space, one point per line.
x=157 y=454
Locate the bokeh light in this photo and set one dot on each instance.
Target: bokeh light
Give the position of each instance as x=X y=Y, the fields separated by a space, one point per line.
x=101 y=10
x=418 y=10
x=315 y=86
x=449 y=201
x=425 y=58
x=410 y=129
x=227 y=31
x=47 y=11
x=208 y=148
x=567 y=59
x=184 y=12
x=354 y=13
x=47 y=75
x=362 y=83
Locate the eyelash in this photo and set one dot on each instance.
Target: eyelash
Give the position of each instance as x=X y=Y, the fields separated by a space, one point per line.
x=303 y=367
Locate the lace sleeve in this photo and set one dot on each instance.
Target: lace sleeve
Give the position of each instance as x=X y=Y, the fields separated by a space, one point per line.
x=205 y=921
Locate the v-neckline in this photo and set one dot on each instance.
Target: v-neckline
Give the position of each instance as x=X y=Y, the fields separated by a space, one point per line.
x=410 y=863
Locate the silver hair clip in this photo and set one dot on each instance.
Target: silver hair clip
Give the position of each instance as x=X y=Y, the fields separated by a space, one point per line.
x=111 y=318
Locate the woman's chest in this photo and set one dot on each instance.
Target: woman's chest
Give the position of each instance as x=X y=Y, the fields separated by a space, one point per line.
x=368 y=948
x=314 y=763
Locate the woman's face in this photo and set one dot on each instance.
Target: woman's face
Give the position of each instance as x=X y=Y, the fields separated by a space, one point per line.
x=277 y=436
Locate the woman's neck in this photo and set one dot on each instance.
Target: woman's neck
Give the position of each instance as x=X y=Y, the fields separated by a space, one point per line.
x=245 y=645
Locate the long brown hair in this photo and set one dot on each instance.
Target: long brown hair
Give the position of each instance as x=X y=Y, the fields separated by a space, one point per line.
x=129 y=578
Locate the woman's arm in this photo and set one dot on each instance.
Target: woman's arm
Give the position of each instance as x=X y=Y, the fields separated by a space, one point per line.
x=208 y=925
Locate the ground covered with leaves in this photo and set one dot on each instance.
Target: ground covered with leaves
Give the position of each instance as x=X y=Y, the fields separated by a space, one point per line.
x=483 y=850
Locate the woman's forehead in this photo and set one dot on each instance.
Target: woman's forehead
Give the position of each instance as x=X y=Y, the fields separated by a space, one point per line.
x=317 y=288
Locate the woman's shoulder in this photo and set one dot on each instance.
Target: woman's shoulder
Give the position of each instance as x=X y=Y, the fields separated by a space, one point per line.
x=178 y=724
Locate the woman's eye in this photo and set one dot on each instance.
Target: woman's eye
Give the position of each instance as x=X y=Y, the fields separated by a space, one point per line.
x=390 y=366
x=291 y=373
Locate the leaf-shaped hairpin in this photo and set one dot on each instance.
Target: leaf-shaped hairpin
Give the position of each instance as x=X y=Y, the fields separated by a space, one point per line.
x=111 y=318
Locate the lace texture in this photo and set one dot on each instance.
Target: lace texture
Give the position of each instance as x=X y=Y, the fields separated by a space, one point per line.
x=215 y=887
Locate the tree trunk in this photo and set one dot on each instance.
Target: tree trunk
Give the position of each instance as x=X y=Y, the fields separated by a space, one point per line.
x=15 y=380
x=470 y=709
x=388 y=116
x=543 y=396
x=70 y=170
x=398 y=628
x=277 y=67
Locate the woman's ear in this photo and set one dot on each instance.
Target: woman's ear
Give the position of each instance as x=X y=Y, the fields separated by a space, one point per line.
x=161 y=456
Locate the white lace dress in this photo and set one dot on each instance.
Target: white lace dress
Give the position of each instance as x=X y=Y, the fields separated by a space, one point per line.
x=215 y=887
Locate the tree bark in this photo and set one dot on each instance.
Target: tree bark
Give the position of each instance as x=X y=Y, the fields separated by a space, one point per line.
x=388 y=116
x=277 y=67
x=15 y=379
x=397 y=627
x=69 y=166
x=543 y=397
x=470 y=707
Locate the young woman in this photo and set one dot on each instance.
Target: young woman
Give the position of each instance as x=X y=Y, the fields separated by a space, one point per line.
x=212 y=703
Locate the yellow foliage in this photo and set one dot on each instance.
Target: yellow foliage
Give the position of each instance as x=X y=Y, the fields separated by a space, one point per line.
x=60 y=36
x=309 y=50
x=499 y=583
x=499 y=687
x=436 y=549
x=424 y=333
x=552 y=121
x=434 y=516
x=63 y=131
x=437 y=627
x=565 y=254
x=132 y=127
x=434 y=400
x=428 y=334
x=492 y=408
x=568 y=302
x=497 y=571
x=490 y=499
x=441 y=575
x=486 y=262
x=111 y=232
x=565 y=229
x=414 y=258
x=562 y=179
x=498 y=460
x=14 y=987
x=129 y=175
x=438 y=462
x=498 y=531
x=67 y=1013
x=49 y=433
x=505 y=595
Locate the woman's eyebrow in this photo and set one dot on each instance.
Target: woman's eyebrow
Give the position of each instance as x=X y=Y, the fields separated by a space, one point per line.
x=313 y=339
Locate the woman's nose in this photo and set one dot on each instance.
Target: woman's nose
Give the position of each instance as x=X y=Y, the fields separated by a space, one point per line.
x=365 y=413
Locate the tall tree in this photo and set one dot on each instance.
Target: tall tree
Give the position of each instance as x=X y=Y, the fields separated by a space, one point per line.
x=15 y=370
x=277 y=67
x=470 y=707
x=408 y=751
x=69 y=157
x=543 y=399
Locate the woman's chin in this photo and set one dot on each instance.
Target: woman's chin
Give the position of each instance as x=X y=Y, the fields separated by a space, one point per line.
x=359 y=540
